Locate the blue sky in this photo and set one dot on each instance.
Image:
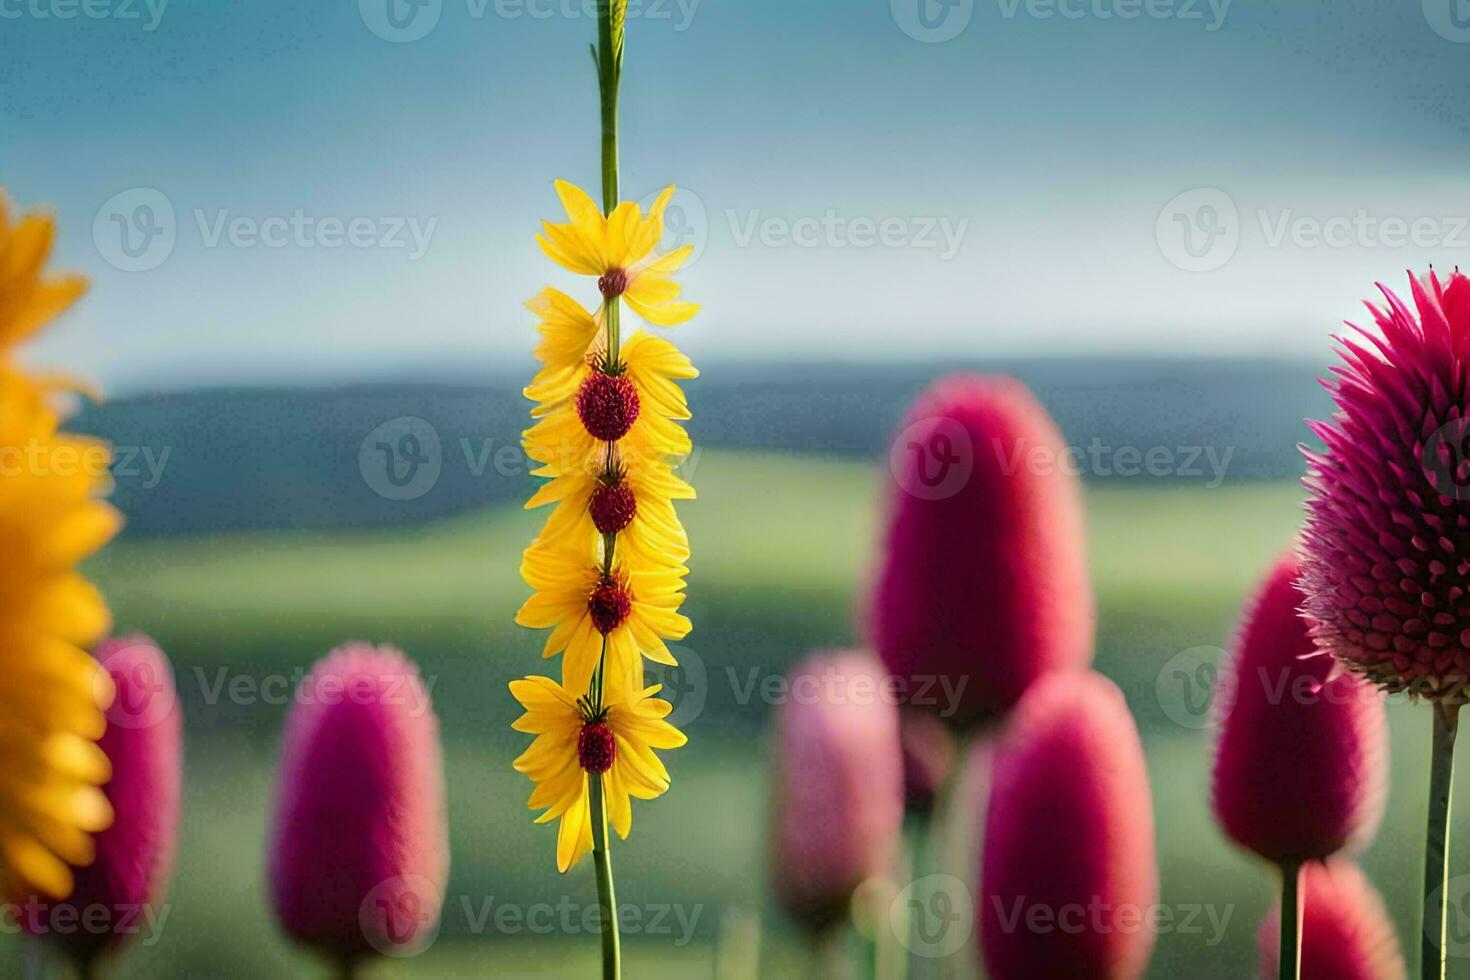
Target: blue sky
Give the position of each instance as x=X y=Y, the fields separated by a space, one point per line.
x=1027 y=176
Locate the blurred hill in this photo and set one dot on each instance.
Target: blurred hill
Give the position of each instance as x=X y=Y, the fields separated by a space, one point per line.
x=314 y=457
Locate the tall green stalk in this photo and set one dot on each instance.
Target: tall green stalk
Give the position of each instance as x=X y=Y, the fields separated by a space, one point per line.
x=611 y=22
x=607 y=901
x=1290 y=961
x=611 y=19
x=1436 y=847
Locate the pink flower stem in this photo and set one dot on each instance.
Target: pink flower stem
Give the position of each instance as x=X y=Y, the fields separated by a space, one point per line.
x=1436 y=847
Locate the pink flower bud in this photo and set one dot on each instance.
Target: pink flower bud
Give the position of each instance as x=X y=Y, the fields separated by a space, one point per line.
x=838 y=794
x=359 y=855
x=1346 y=932
x=983 y=580
x=115 y=896
x=1068 y=874
x=1300 y=765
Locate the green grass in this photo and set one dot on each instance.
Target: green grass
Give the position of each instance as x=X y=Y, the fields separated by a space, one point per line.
x=783 y=546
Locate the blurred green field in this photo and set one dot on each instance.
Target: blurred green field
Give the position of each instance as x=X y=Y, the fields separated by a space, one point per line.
x=782 y=547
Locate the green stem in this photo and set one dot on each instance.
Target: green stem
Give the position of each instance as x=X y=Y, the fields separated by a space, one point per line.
x=613 y=308
x=1436 y=847
x=607 y=901
x=611 y=19
x=1290 y=961
x=829 y=955
x=920 y=838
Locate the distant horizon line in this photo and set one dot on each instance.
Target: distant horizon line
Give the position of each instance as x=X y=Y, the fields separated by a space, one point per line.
x=166 y=383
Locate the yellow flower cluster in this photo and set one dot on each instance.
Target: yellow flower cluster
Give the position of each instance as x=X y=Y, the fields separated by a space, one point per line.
x=54 y=694
x=608 y=569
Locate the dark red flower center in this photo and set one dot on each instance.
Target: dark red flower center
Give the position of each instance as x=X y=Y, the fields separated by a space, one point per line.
x=596 y=747
x=608 y=405
x=610 y=606
x=613 y=284
x=613 y=507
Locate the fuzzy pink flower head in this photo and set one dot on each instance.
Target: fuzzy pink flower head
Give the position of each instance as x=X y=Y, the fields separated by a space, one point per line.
x=1346 y=931
x=1301 y=766
x=837 y=802
x=983 y=581
x=112 y=899
x=359 y=854
x=1068 y=874
x=1387 y=546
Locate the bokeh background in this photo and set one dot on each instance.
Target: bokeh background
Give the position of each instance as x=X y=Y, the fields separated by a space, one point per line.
x=1153 y=215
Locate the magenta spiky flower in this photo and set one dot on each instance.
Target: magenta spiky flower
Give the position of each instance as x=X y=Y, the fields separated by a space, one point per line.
x=1301 y=766
x=1387 y=546
x=983 y=582
x=359 y=853
x=1068 y=869
x=1346 y=931
x=837 y=802
x=116 y=897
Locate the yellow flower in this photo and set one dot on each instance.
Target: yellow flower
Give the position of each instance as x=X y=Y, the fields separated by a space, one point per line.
x=633 y=608
x=54 y=695
x=560 y=440
x=28 y=299
x=573 y=742
x=568 y=335
x=635 y=501
x=618 y=249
